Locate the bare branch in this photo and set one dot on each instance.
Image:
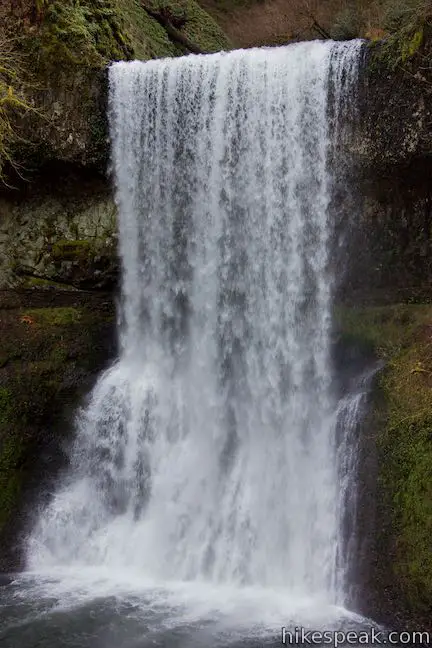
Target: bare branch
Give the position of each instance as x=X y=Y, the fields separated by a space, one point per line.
x=165 y=18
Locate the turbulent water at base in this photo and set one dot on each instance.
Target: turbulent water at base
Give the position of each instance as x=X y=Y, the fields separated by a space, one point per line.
x=211 y=462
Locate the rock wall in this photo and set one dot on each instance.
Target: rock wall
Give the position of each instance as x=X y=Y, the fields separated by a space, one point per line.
x=62 y=49
x=393 y=571
x=59 y=231
x=57 y=217
x=53 y=345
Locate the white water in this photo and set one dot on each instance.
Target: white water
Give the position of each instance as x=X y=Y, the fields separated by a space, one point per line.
x=208 y=452
x=349 y=416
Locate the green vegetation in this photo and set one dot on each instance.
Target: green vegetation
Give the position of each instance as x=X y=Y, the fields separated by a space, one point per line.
x=348 y=23
x=48 y=354
x=44 y=284
x=71 y=250
x=402 y=336
x=406 y=23
x=406 y=449
x=94 y=32
x=52 y=50
x=52 y=316
x=385 y=330
x=83 y=32
x=398 y=24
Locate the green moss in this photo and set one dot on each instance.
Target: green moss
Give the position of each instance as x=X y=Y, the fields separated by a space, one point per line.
x=382 y=329
x=37 y=282
x=412 y=44
x=80 y=32
x=402 y=336
x=65 y=51
x=202 y=29
x=83 y=32
x=67 y=250
x=53 y=316
x=148 y=37
x=399 y=48
x=406 y=459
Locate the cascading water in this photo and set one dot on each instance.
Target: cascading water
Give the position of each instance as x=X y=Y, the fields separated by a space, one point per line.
x=208 y=452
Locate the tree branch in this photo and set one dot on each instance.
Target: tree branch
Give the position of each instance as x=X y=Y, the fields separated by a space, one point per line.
x=321 y=31
x=164 y=19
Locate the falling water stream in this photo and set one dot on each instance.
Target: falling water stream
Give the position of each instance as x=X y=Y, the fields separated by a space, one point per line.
x=214 y=459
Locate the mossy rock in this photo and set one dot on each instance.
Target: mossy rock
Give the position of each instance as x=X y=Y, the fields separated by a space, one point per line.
x=44 y=284
x=83 y=263
x=385 y=330
x=65 y=47
x=94 y=32
x=401 y=335
x=52 y=355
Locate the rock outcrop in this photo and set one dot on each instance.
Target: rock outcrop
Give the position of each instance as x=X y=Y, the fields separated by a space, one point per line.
x=59 y=225
x=391 y=232
x=64 y=48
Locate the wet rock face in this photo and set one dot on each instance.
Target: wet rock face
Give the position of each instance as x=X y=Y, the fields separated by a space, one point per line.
x=70 y=124
x=390 y=231
x=64 y=48
x=54 y=344
x=395 y=108
x=393 y=571
x=59 y=229
x=389 y=255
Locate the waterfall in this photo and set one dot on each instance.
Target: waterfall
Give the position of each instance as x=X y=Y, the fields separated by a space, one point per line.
x=209 y=451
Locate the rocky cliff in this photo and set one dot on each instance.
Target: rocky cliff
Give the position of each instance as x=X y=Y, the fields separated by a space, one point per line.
x=392 y=153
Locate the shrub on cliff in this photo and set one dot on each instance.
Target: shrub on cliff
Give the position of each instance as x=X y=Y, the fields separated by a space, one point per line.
x=408 y=23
